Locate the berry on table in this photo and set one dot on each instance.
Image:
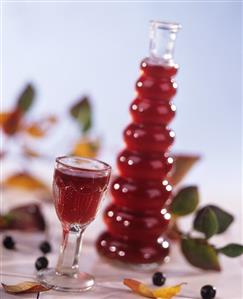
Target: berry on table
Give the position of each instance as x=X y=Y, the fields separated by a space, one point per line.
x=208 y=292
x=8 y=242
x=158 y=279
x=41 y=263
x=45 y=247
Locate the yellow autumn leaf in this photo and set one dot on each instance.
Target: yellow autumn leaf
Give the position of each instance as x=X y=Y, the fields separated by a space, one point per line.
x=24 y=288
x=167 y=292
x=24 y=180
x=143 y=290
x=182 y=165
x=86 y=148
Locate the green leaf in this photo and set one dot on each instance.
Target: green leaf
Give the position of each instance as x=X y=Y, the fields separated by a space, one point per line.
x=26 y=98
x=82 y=113
x=206 y=222
x=231 y=250
x=185 y=201
x=224 y=218
x=200 y=254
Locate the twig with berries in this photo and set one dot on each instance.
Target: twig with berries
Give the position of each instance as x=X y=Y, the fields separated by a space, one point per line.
x=208 y=221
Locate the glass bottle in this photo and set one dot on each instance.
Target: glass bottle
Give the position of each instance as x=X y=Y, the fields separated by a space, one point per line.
x=137 y=217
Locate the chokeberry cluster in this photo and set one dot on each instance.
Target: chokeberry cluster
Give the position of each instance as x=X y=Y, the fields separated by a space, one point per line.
x=45 y=247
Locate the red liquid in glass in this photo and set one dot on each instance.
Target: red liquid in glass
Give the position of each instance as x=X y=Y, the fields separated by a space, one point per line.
x=137 y=217
x=77 y=195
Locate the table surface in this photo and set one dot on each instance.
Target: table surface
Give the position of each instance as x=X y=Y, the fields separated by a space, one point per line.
x=18 y=265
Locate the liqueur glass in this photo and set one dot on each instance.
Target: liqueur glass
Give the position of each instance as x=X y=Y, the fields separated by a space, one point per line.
x=78 y=188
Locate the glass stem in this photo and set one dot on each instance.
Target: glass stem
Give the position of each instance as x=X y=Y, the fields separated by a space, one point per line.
x=68 y=261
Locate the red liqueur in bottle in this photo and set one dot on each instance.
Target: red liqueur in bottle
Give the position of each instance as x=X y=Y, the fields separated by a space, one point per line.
x=137 y=217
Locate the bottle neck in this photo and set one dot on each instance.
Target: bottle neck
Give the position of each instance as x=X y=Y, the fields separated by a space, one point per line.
x=162 y=42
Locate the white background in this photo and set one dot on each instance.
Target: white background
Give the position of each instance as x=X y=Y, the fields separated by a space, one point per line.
x=67 y=49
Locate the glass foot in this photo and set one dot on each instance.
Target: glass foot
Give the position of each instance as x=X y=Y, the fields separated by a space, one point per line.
x=67 y=283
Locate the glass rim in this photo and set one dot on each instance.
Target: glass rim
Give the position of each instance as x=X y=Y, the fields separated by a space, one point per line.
x=80 y=168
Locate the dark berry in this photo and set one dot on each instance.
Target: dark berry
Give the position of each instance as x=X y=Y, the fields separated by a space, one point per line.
x=41 y=263
x=208 y=292
x=158 y=278
x=8 y=242
x=45 y=247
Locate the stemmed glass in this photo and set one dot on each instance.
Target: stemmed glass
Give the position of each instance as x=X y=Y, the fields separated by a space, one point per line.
x=78 y=187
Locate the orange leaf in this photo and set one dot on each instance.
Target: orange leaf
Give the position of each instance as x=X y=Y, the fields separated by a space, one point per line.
x=11 y=123
x=3 y=117
x=24 y=180
x=86 y=148
x=138 y=287
x=24 y=288
x=35 y=131
x=182 y=165
x=39 y=128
